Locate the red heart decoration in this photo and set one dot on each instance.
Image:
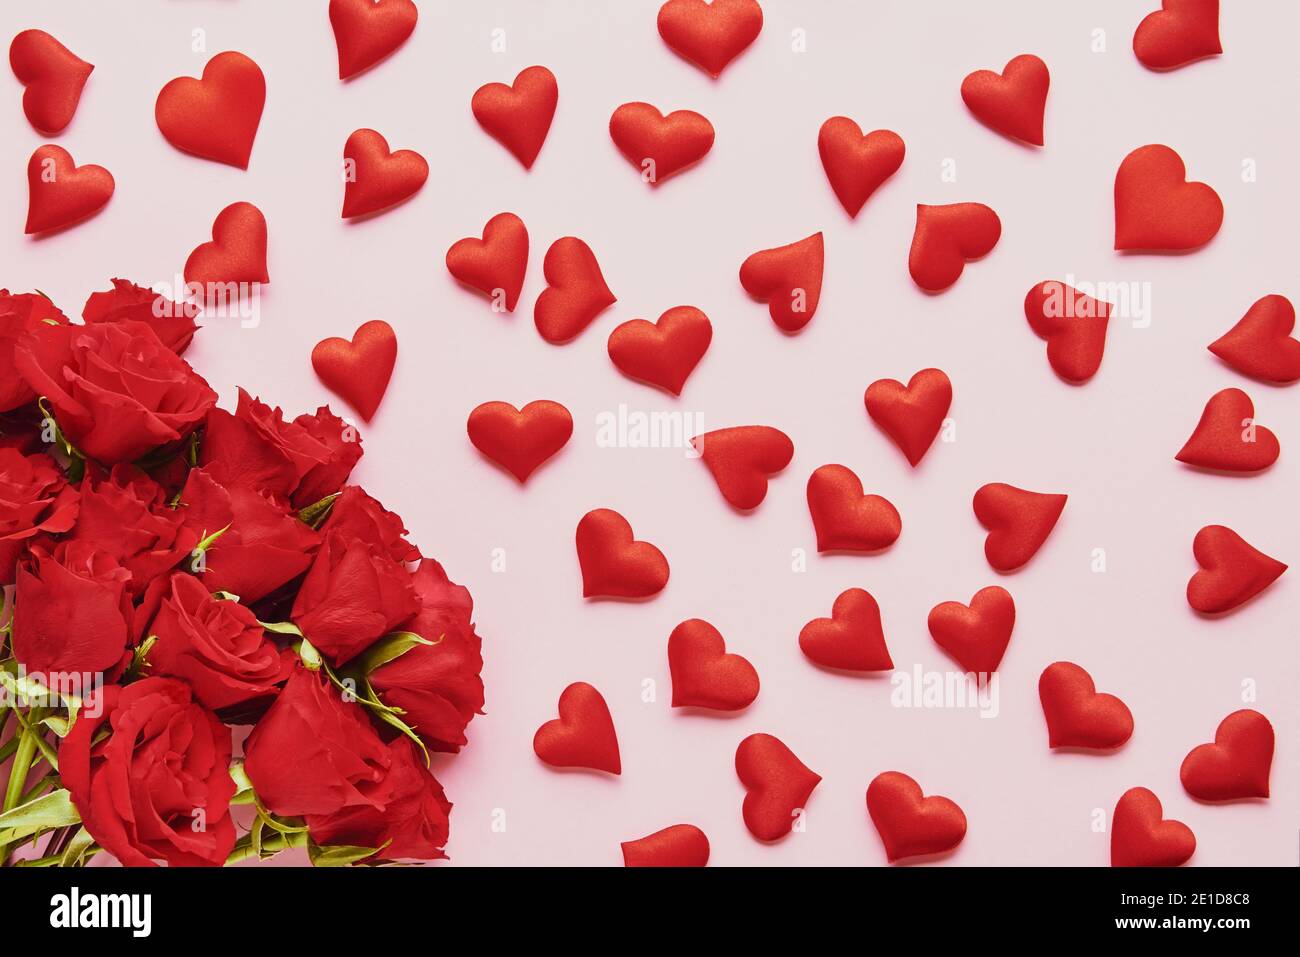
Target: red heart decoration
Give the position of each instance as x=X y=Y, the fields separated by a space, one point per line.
x=1260 y=344
x=519 y=116
x=1012 y=102
x=777 y=784
x=575 y=292
x=742 y=458
x=53 y=76
x=495 y=264
x=215 y=117
x=910 y=824
x=704 y=674
x=614 y=565
x=1178 y=33
x=1018 y=522
x=852 y=639
x=1157 y=209
x=659 y=145
x=911 y=415
x=712 y=34
x=788 y=279
x=1227 y=437
x=375 y=178
x=1077 y=716
x=946 y=238
x=366 y=31
x=682 y=845
x=358 y=370
x=975 y=636
x=519 y=439
x=1140 y=837
x=1074 y=325
x=582 y=736
x=1232 y=572
x=1236 y=765
x=857 y=165
x=60 y=192
x=663 y=353
x=844 y=518
x=237 y=253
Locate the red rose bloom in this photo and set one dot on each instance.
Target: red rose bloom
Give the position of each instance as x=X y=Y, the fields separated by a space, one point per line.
x=358 y=516
x=173 y=322
x=20 y=315
x=343 y=443
x=255 y=447
x=35 y=500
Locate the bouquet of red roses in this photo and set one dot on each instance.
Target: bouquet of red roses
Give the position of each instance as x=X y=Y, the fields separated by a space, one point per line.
x=174 y=573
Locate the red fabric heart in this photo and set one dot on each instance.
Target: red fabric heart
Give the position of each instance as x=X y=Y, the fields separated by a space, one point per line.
x=60 y=192
x=217 y=116
x=1236 y=766
x=237 y=253
x=519 y=116
x=1140 y=837
x=788 y=279
x=575 y=293
x=495 y=264
x=1012 y=102
x=1232 y=572
x=358 y=370
x=682 y=845
x=1260 y=344
x=777 y=784
x=1077 y=716
x=366 y=31
x=614 y=565
x=582 y=736
x=375 y=178
x=852 y=639
x=704 y=674
x=659 y=145
x=909 y=823
x=742 y=458
x=911 y=415
x=1227 y=438
x=844 y=518
x=519 y=440
x=976 y=635
x=53 y=76
x=712 y=34
x=663 y=353
x=1018 y=522
x=1178 y=33
x=1156 y=209
x=857 y=165
x=1074 y=325
x=946 y=238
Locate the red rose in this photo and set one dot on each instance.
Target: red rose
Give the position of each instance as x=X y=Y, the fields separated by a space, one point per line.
x=35 y=500
x=126 y=302
x=358 y=516
x=342 y=441
x=158 y=786
x=20 y=315
x=257 y=448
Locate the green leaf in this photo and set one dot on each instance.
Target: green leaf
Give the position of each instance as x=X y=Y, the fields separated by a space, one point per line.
x=282 y=628
x=225 y=596
x=386 y=649
x=339 y=855
x=74 y=855
x=140 y=657
x=389 y=718
x=316 y=513
x=208 y=541
x=243 y=786
x=311 y=658
x=49 y=810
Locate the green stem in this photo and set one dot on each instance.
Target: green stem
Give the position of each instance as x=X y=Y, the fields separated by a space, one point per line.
x=18 y=776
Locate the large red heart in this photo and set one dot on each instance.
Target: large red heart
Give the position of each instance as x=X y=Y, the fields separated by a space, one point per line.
x=682 y=845
x=1018 y=522
x=575 y=292
x=358 y=370
x=215 y=117
x=366 y=31
x=857 y=165
x=844 y=518
x=613 y=563
x=1178 y=33
x=1012 y=102
x=777 y=786
x=788 y=279
x=911 y=415
x=1140 y=837
x=237 y=253
x=1232 y=572
x=659 y=145
x=1260 y=344
x=1077 y=716
x=582 y=736
x=711 y=34
x=663 y=353
x=1157 y=209
x=495 y=264
x=742 y=458
x=946 y=237
x=910 y=824
x=1074 y=325
x=60 y=192
x=976 y=635
x=375 y=178
x=704 y=674
x=1227 y=438
x=519 y=116
x=519 y=439
x=53 y=76
x=852 y=639
x=1236 y=766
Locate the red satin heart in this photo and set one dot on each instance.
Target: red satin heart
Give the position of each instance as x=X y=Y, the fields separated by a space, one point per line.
x=844 y=518
x=1236 y=766
x=575 y=292
x=704 y=674
x=1227 y=438
x=519 y=440
x=519 y=116
x=662 y=353
x=582 y=736
x=911 y=415
x=1018 y=522
x=217 y=116
x=910 y=824
x=237 y=253
x=682 y=845
x=1074 y=325
x=1077 y=716
x=1140 y=837
x=1178 y=33
x=857 y=165
x=852 y=639
x=495 y=264
x=946 y=238
x=614 y=565
x=366 y=31
x=1232 y=572
x=777 y=785
x=1012 y=102
x=976 y=635
x=788 y=279
x=712 y=34
x=375 y=178
x=659 y=145
x=358 y=370
x=1157 y=209
x=1260 y=344
x=742 y=458
x=60 y=192
x=53 y=76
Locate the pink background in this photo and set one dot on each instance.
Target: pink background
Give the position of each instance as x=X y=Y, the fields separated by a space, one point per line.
x=896 y=65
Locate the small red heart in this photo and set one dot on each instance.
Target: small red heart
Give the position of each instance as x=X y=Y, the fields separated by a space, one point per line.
x=704 y=674
x=663 y=353
x=844 y=518
x=910 y=824
x=217 y=116
x=911 y=415
x=53 y=76
x=712 y=34
x=495 y=264
x=519 y=439
x=1156 y=209
x=659 y=145
x=614 y=565
x=1018 y=522
x=852 y=639
x=237 y=253
x=1227 y=438
x=1012 y=102
x=682 y=845
x=366 y=31
x=857 y=165
x=575 y=292
x=1077 y=716
x=742 y=458
x=1236 y=765
x=975 y=636
x=1178 y=33
x=519 y=116
x=375 y=178
x=788 y=279
x=1074 y=325
x=60 y=192
x=777 y=785
x=1232 y=572
x=358 y=370
x=1260 y=344
x=582 y=736
x=946 y=238
x=1140 y=837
